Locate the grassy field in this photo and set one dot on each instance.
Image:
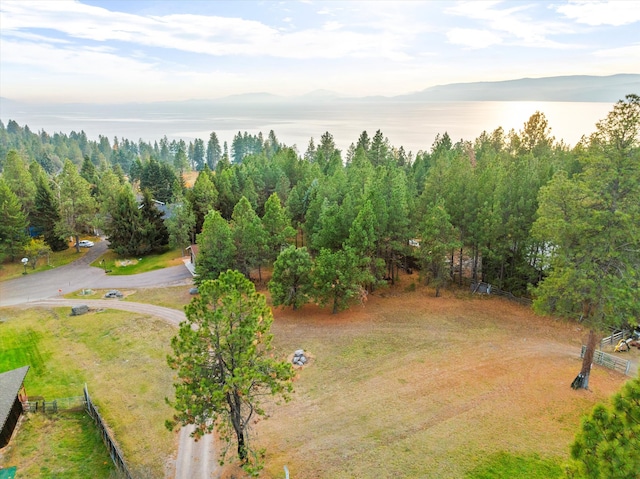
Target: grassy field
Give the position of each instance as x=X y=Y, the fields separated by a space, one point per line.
x=121 y=357
x=118 y=265
x=60 y=258
x=416 y=386
x=407 y=386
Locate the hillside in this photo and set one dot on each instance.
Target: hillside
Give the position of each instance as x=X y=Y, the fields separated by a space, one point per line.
x=580 y=88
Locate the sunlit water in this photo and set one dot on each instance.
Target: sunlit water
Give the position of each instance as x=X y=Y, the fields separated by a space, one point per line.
x=411 y=125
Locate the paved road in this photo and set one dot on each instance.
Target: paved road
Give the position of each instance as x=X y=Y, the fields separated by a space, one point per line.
x=195 y=460
x=79 y=275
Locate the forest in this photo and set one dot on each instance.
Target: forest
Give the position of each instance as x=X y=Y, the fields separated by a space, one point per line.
x=513 y=209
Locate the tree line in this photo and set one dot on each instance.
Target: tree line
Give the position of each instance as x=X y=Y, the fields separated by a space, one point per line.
x=494 y=206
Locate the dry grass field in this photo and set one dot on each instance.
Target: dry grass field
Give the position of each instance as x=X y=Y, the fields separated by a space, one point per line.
x=407 y=385
x=416 y=386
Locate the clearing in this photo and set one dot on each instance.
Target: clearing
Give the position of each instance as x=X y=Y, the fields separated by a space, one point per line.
x=416 y=386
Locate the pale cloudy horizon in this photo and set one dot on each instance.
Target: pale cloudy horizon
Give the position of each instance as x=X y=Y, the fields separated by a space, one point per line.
x=124 y=51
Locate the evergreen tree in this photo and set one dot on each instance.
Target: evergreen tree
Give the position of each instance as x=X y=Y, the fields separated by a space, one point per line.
x=277 y=227
x=108 y=185
x=216 y=247
x=180 y=223
x=125 y=229
x=437 y=240
x=608 y=444
x=13 y=227
x=591 y=223
x=19 y=180
x=202 y=197
x=213 y=151
x=156 y=235
x=198 y=159
x=89 y=173
x=158 y=179
x=338 y=278
x=291 y=283
x=47 y=215
x=224 y=362
x=77 y=207
x=248 y=236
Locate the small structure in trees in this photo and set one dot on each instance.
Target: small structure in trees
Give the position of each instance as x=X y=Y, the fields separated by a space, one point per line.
x=193 y=253
x=12 y=397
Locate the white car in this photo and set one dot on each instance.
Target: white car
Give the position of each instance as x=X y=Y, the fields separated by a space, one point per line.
x=85 y=244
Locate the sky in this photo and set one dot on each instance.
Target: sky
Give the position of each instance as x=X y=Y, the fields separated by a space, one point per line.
x=139 y=51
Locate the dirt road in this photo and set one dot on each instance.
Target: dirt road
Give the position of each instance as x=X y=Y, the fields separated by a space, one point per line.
x=195 y=460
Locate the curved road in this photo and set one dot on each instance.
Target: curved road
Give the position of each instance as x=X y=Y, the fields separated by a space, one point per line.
x=79 y=275
x=196 y=460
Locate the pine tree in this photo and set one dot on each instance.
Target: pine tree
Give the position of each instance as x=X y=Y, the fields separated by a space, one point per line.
x=19 y=180
x=125 y=232
x=608 y=444
x=180 y=223
x=216 y=247
x=202 y=197
x=47 y=215
x=591 y=223
x=248 y=236
x=77 y=207
x=277 y=227
x=291 y=282
x=155 y=231
x=224 y=362
x=338 y=278
x=13 y=227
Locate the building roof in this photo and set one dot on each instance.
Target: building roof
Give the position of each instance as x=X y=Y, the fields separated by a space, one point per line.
x=10 y=384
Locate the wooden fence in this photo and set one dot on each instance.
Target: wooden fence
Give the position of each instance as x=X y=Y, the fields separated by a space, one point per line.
x=490 y=289
x=609 y=361
x=114 y=450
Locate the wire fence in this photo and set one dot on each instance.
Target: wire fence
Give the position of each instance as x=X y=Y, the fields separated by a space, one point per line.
x=114 y=451
x=486 y=288
x=39 y=404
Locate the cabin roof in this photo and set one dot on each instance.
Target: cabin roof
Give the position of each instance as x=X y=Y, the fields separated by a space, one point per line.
x=10 y=384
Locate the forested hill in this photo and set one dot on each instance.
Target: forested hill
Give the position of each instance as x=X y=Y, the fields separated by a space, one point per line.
x=563 y=88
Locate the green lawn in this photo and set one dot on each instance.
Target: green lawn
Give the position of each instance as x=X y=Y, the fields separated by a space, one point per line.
x=118 y=265
x=10 y=270
x=506 y=466
x=120 y=356
x=66 y=444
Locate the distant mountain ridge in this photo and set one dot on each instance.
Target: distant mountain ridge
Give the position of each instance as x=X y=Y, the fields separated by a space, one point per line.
x=581 y=88
x=575 y=88
x=578 y=88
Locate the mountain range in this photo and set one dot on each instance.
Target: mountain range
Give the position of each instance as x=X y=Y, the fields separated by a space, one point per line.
x=574 y=88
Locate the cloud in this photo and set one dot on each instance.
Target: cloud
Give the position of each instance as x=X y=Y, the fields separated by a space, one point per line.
x=615 y=13
x=473 y=38
x=201 y=34
x=624 y=53
x=513 y=24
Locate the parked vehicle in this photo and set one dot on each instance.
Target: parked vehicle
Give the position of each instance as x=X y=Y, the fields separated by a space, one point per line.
x=85 y=243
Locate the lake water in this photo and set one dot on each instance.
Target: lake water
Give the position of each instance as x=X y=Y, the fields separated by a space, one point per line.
x=411 y=125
